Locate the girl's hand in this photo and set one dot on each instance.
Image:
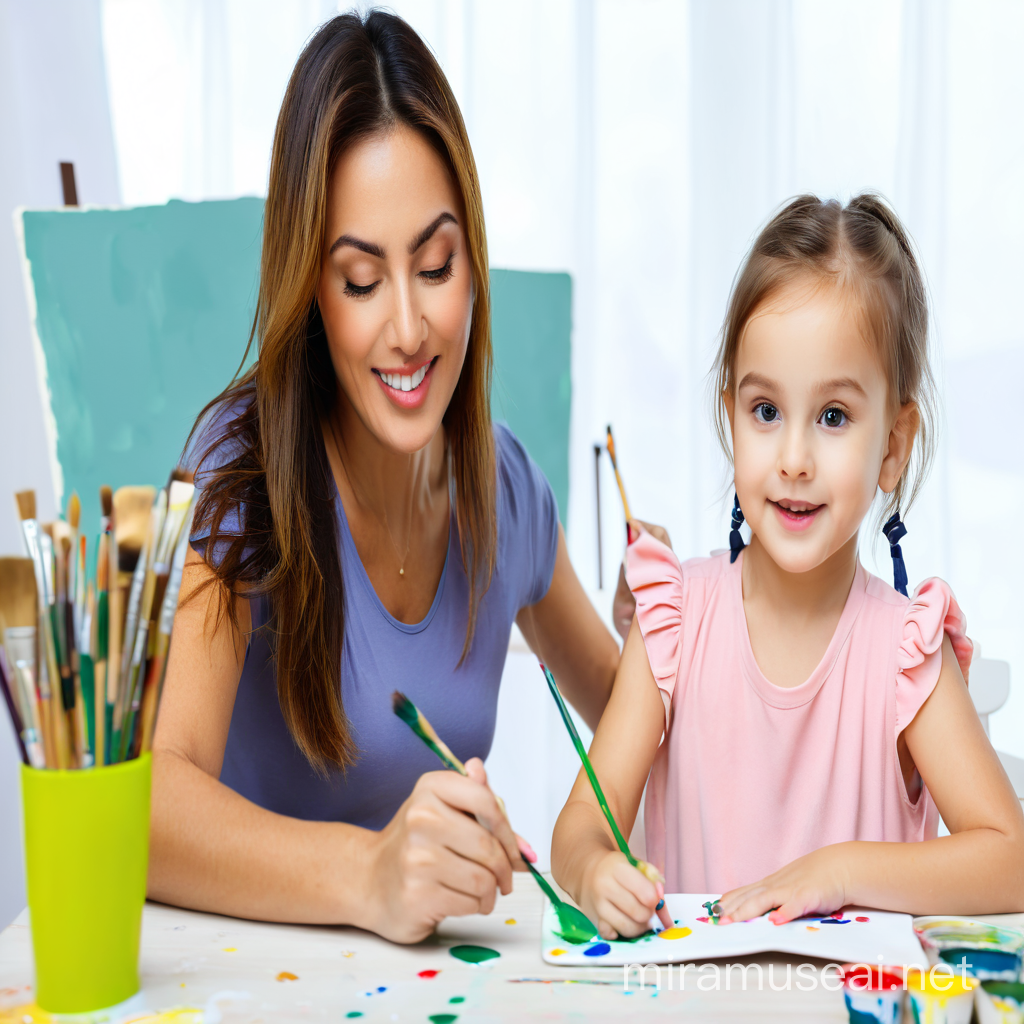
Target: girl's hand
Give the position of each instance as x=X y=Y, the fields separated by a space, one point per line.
x=434 y=860
x=624 y=604
x=617 y=897
x=814 y=884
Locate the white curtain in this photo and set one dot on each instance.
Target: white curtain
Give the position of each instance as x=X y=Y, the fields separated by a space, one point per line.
x=640 y=146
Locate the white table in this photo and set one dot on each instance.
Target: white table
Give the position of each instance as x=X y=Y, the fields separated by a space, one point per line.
x=231 y=967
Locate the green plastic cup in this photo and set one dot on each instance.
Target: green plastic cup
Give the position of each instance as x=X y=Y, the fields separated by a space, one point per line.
x=86 y=854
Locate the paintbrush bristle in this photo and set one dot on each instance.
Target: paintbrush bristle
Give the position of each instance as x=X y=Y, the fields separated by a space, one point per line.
x=74 y=511
x=405 y=709
x=26 y=504
x=610 y=445
x=106 y=501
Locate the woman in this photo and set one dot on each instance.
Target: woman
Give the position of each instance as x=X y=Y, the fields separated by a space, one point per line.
x=359 y=512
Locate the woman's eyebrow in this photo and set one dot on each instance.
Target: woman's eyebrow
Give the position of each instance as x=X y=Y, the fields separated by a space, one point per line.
x=357 y=243
x=427 y=233
x=376 y=250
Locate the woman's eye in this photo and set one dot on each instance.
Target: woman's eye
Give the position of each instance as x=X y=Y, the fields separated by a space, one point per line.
x=833 y=417
x=766 y=412
x=357 y=291
x=441 y=274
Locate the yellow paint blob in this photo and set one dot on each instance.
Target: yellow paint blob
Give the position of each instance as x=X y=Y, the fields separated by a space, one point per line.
x=813 y=928
x=511 y=920
x=557 y=952
x=179 y=1015
x=348 y=953
x=230 y=949
x=287 y=976
x=675 y=933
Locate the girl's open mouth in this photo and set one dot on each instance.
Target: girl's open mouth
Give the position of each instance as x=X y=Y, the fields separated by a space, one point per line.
x=796 y=515
x=407 y=390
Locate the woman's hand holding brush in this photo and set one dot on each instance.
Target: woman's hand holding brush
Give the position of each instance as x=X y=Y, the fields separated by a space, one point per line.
x=444 y=854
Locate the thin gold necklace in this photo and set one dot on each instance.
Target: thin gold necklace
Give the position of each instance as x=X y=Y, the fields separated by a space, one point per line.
x=387 y=526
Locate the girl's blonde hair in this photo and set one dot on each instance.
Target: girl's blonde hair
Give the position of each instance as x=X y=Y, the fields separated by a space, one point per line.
x=864 y=247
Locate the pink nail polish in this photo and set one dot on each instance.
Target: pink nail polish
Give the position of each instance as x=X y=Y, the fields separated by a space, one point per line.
x=527 y=851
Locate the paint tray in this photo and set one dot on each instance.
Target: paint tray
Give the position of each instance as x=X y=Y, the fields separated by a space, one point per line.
x=855 y=936
x=996 y=949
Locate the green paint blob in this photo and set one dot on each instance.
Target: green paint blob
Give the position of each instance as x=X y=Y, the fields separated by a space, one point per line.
x=457 y=999
x=474 y=954
x=442 y=1018
x=354 y=1013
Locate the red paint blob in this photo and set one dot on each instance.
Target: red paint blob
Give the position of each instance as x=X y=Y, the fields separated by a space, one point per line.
x=862 y=919
x=704 y=919
x=837 y=915
x=428 y=974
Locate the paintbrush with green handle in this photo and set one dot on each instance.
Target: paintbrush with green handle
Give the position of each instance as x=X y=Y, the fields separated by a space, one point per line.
x=575 y=926
x=648 y=870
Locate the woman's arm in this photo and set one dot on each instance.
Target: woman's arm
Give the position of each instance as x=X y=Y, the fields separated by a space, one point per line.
x=213 y=850
x=565 y=631
x=584 y=857
x=977 y=869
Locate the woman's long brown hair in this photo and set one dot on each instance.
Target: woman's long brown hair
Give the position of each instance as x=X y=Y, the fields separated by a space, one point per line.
x=265 y=463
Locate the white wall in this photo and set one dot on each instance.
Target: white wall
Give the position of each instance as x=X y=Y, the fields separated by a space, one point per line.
x=53 y=108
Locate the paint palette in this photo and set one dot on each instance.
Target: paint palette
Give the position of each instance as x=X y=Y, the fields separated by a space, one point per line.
x=855 y=936
x=992 y=952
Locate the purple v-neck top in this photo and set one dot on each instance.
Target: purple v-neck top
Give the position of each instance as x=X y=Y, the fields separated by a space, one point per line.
x=381 y=654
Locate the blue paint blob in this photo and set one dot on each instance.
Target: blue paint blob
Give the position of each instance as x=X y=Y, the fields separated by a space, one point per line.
x=833 y=920
x=382 y=988
x=599 y=949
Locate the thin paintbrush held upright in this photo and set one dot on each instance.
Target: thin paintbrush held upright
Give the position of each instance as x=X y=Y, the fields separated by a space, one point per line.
x=62 y=689
x=799 y=723
x=610 y=445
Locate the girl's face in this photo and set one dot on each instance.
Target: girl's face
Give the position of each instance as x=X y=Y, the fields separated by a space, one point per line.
x=813 y=432
x=396 y=291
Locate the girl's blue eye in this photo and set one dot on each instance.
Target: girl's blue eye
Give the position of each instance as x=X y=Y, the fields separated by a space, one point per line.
x=833 y=417
x=766 y=412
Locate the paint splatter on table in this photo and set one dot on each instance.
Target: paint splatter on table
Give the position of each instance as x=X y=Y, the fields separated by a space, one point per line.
x=335 y=967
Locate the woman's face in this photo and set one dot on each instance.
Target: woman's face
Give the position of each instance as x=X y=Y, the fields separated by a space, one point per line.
x=396 y=289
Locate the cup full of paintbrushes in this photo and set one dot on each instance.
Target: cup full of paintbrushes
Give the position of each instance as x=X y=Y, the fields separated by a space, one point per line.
x=82 y=662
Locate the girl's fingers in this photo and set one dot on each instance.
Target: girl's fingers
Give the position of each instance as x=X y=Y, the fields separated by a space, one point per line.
x=734 y=900
x=753 y=905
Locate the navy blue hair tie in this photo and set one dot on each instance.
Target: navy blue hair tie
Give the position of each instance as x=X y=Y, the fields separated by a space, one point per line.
x=736 y=544
x=895 y=531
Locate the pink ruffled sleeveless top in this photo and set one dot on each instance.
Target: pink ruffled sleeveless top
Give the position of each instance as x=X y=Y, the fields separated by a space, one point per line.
x=752 y=775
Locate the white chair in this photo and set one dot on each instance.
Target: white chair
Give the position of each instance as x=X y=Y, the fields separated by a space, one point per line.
x=989 y=689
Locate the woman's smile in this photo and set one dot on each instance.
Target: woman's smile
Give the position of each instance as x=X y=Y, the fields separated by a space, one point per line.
x=407 y=387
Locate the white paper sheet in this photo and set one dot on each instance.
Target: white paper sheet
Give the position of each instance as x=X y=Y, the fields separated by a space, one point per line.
x=857 y=936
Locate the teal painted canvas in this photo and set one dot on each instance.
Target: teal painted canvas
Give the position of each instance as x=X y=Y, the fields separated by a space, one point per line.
x=531 y=321
x=143 y=315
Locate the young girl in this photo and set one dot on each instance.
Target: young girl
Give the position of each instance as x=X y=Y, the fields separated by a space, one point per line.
x=815 y=720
